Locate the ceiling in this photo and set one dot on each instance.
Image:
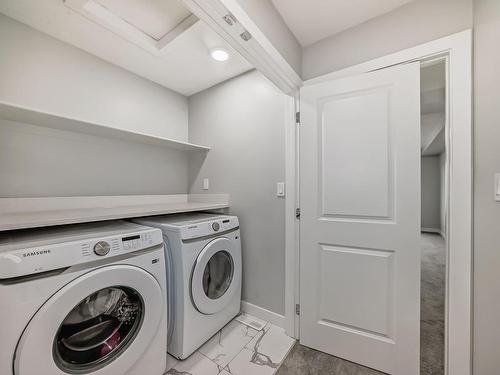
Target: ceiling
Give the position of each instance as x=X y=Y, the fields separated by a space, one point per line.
x=155 y=18
x=313 y=20
x=150 y=38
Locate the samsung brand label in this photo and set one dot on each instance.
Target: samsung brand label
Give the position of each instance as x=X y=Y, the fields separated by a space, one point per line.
x=36 y=253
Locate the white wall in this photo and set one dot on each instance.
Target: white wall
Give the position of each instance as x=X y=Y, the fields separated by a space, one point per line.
x=430 y=193
x=270 y=22
x=486 y=210
x=412 y=24
x=41 y=72
x=243 y=120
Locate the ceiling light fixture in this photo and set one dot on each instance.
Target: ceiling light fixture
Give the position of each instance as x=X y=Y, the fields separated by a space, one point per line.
x=219 y=54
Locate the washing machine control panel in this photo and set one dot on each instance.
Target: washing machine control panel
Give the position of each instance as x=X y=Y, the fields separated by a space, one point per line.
x=121 y=244
x=33 y=260
x=209 y=227
x=102 y=248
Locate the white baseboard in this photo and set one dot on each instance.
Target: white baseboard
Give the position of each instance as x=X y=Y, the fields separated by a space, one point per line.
x=433 y=230
x=430 y=230
x=261 y=313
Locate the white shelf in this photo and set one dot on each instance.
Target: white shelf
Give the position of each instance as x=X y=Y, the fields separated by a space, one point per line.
x=21 y=213
x=13 y=112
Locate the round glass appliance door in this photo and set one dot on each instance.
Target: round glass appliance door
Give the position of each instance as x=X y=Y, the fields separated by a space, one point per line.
x=98 y=329
x=40 y=349
x=218 y=274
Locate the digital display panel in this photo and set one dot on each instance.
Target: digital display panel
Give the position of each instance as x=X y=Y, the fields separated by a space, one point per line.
x=130 y=238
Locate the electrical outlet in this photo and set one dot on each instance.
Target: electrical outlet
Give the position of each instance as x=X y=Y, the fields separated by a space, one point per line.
x=206 y=184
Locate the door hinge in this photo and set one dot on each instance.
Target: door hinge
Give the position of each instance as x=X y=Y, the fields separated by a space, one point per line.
x=230 y=19
x=297 y=213
x=297 y=309
x=297 y=117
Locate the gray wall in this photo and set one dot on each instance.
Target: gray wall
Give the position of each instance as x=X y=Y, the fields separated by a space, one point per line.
x=410 y=25
x=38 y=162
x=39 y=71
x=431 y=192
x=243 y=120
x=486 y=210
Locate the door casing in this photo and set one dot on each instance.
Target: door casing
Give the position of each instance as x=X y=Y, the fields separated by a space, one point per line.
x=457 y=50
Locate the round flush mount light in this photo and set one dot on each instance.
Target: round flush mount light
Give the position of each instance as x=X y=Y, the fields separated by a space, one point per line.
x=219 y=54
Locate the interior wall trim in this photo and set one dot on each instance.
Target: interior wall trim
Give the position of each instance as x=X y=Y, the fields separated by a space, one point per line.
x=262 y=313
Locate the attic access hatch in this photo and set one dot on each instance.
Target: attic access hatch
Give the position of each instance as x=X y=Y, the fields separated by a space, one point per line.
x=150 y=24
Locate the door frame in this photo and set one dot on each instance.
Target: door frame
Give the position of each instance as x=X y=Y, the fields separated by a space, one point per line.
x=457 y=50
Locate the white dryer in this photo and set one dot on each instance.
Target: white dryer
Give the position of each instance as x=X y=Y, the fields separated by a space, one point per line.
x=83 y=299
x=203 y=256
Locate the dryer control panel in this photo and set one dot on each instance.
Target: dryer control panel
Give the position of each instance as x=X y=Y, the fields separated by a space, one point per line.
x=23 y=261
x=209 y=227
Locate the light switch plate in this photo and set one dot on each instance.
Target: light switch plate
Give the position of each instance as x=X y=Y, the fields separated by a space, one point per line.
x=206 y=184
x=497 y=187
x=280 y=189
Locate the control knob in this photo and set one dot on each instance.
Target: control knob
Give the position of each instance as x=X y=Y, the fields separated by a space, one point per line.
x=102 y=248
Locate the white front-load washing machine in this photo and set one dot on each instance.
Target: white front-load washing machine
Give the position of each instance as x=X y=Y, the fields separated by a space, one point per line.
x=203 y=256
x=83 y=299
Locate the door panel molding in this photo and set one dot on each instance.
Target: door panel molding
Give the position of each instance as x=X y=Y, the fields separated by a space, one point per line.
x=374 y=276
x=358 y=174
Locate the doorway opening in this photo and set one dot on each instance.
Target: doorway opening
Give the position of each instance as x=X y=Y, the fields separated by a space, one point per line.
x=433 y=245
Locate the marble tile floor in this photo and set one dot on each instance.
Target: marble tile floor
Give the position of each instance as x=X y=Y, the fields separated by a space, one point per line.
x=306 y=361
x=237 y=349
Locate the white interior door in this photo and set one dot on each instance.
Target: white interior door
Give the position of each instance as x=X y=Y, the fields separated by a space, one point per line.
x=360 y=218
